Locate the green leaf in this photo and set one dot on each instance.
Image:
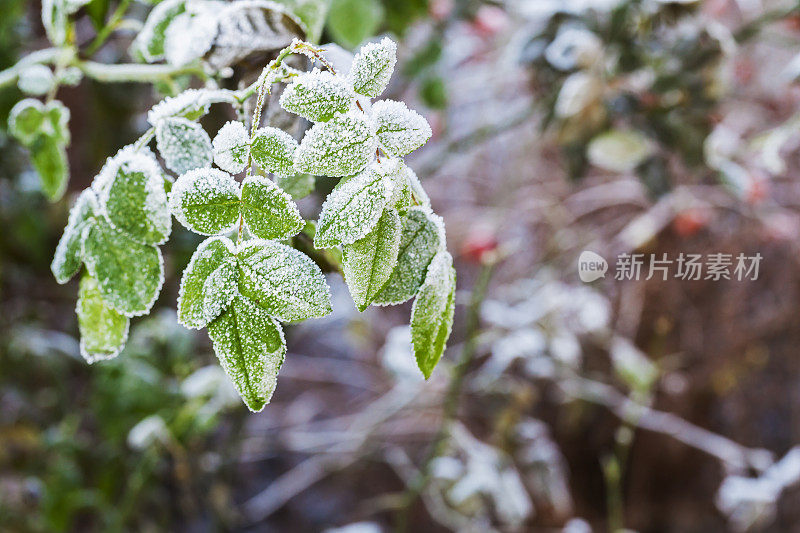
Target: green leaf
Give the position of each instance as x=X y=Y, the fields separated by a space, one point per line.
x=297 y=186
x=273 y=151
x=340 y=147
x=56 y=121
x=232 y=147
x=129 y=274
x=432 y=313
x=251 y=348
x=355 y=205
x=408 y=191
x=103 y=330
x=282 y=280
x=49 y=158
x=206 y=201
x=150 y=40
x=25 y=120
x=54 y=20
x=422 y=237
x=399 y=129
x=373 y=66
x=317 y=96
x=67 y=260
x=352 y=21
x=134 y=200
x=311 y=14
x=368 y=263
x=208 y=284
x=183 y=144
x=36 y=79
x=269 y=212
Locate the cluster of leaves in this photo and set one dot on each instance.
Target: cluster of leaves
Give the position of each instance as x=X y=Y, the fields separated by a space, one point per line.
x=246 y=278
x=626 y=82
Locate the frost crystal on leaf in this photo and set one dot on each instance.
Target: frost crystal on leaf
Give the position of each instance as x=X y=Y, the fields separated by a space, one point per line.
x=373 y=66
x=419 y=242
x=36 y=79
x=251 y=347
x=49 y=158
x=150 y=40
x=355 y=205
x=432 y=312
x=269 y=212
x=282 y=280
x=128 y=273
x=273 y=151
x=183 y=144
x=25 y=120
x=208 y=283
x=206 y=201
x=340 y=147
x=190 y=104
x=368 y=263
x=399 y=129
x=191 y=33
x=231 y=147
x=408 y=191
x=103 y=330
x=67 y=260
x=317 y=96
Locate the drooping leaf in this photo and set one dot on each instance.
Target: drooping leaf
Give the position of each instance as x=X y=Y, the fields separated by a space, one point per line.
x=421 y=239
x=129 y=274
x=231 y=147
x=273 y=151
x=282 y=280
x=103 y=330
x=432 y=313
x=352 y=21
x=67 y=260
x=399 y=129
x=355 y=205
x=368 y=263
x=54 y=20
x=373 y=66
x=49 y=158
x=25 y=120
x=297 y=186
x=269 y=212
x=251 y=348
x=340 y=147
x=183 y=144
x=208 y=284
x=317 y=96
x=150 y=40
x=135 y=202
x=206 y=201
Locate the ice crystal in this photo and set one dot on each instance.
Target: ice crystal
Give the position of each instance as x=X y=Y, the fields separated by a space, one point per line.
x=206 y=201
x=339 y=147
x=103 y=330
x=269 y=212
x=273 y=151
x=355 y=205
x=399 y=129
x=373 y=66
x=67 y=260
x=183 y=144
x=282 y=280
x=208 y=284
x=317 y=96
x=432 y=312
x=231 y=147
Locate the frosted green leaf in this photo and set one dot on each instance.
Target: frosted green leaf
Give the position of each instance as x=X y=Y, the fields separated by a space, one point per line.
x=103 y=330
x=317 y=96
x=150 y=40
x=206 y=201
x=56 y=121
x=130 y=274
x=231 y=147
x=269 y=212
x=25 y=120
x=36 y=79
x=399 y=129
x=183 y=144
x=190 y=104
x=134 y=201
x=49 y=158
x=340 y=147
x=368 y=263
x=208 y=284
x=54 y=20
x=297 y=186
x=421 y=239
x=408 y=191
x=373 y=66
x=67 y=260
x=432 y=313
x=355 y=205
x=251 y=348
x=273 y=151
x=192 y=33
x=282 y=280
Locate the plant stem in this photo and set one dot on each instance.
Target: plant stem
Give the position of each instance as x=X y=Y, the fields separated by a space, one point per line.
x=108 y=28
x=47 y=55
x=451 y=400
x=135 y=72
